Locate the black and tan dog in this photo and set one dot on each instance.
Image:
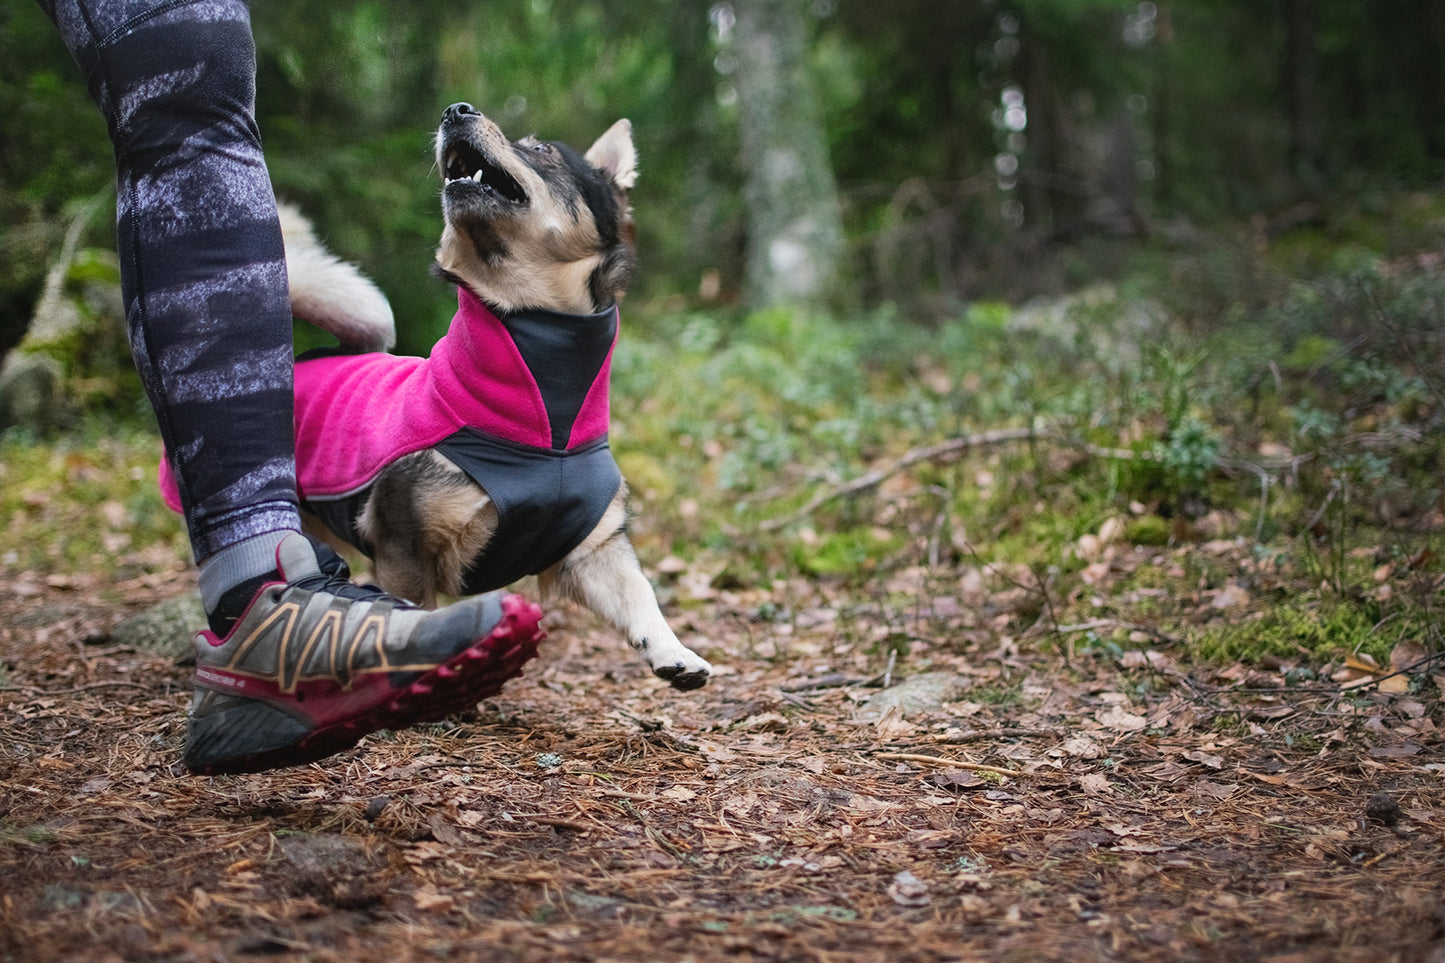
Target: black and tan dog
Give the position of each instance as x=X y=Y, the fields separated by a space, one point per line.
x=488 y=461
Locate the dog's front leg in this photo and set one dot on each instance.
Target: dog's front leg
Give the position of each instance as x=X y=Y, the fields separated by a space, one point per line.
x=603 y=574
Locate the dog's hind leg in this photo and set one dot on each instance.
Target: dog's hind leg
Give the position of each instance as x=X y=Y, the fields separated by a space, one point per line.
x=426 y=520
x=603 y=574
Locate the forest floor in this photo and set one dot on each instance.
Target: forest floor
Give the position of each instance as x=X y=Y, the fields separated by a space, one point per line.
x=1001 y=799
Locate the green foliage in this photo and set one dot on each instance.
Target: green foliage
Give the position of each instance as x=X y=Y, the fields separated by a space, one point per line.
x=348 y=95
x=87 y=502
x=1319 y=445
x=727 y=430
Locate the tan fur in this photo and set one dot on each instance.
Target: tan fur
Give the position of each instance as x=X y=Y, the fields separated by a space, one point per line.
x=558 y=285
x=458 y=522
x=551 y=252
x=615 y=154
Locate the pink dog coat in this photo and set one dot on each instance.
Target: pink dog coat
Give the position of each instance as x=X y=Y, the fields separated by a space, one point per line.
x=519 y=402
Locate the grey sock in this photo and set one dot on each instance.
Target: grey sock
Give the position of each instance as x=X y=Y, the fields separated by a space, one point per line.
x=237 y=564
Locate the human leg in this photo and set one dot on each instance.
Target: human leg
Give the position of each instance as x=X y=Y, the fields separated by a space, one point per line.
x=204 y=281
x=202 y=266
x=202 y=270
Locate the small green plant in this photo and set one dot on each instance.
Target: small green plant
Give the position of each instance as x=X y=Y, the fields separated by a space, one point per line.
x=1000 y=695
x=12 y=835
x=1187 y=455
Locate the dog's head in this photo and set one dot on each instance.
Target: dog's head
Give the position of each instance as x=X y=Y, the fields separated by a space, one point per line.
x=532 y=223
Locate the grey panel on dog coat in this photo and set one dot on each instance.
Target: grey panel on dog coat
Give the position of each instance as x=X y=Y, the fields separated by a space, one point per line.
x=548 y=502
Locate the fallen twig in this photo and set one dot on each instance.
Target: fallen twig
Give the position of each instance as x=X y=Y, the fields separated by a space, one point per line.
x=974 y=735
x=834 y=680
x=949 y=763
x=946 y=451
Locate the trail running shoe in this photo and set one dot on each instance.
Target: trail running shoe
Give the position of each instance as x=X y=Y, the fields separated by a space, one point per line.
x=317 y=662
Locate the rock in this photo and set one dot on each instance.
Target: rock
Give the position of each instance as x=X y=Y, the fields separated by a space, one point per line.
x=75 y=353
x=337 y=870
x=920 y=693
x=166 y=628
x=31 y=392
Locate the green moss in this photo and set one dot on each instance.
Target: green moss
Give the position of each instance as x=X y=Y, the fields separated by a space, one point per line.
x=1320 y=630
x=1311 y=351
x=12 y=835
x=997 y=695
x=1148 y=530
x=852 y=551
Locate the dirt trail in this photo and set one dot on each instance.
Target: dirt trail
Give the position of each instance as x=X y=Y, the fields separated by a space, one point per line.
x=1020 y=809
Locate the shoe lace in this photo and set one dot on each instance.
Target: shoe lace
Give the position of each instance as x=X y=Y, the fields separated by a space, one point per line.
x=335 y=579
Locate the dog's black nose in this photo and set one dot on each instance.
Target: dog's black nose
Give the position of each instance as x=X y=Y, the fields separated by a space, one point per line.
x=457 y=111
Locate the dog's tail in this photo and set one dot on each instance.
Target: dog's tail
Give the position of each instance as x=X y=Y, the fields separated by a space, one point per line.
x=330 y=293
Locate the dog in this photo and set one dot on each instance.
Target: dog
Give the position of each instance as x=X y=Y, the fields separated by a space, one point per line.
x=488 y=460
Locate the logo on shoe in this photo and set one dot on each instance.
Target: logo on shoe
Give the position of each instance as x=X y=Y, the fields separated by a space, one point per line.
x=213 y=678
x=323 y=654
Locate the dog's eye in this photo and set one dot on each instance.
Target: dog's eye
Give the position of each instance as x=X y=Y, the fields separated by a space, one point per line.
x=542 y=147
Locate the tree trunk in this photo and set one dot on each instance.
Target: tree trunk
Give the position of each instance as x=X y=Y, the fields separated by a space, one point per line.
x=795 y=234
x=1302 y=92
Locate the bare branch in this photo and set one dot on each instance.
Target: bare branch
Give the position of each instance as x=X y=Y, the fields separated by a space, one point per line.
x=943 y=452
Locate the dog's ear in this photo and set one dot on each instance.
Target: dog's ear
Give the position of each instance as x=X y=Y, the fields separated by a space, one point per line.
x=614 y=155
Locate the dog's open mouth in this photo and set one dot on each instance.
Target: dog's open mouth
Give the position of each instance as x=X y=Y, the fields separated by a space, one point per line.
x=466 y=164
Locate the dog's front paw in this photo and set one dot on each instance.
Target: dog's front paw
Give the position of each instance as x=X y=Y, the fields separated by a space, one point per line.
x=684 y=677
x=686 y=671
x=675 y=662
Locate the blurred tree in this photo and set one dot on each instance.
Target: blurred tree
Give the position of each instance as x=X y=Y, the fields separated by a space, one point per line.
x=794 y=226
x=1301 y=82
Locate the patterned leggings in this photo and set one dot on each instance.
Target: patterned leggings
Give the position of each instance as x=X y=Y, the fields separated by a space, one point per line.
x=202 y=269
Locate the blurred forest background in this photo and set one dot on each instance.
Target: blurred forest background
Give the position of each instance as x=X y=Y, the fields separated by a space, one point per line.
x=1085 y=353
x=990 y=149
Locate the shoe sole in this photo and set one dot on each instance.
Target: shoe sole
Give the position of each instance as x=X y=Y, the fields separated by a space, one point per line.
x=477 y=672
